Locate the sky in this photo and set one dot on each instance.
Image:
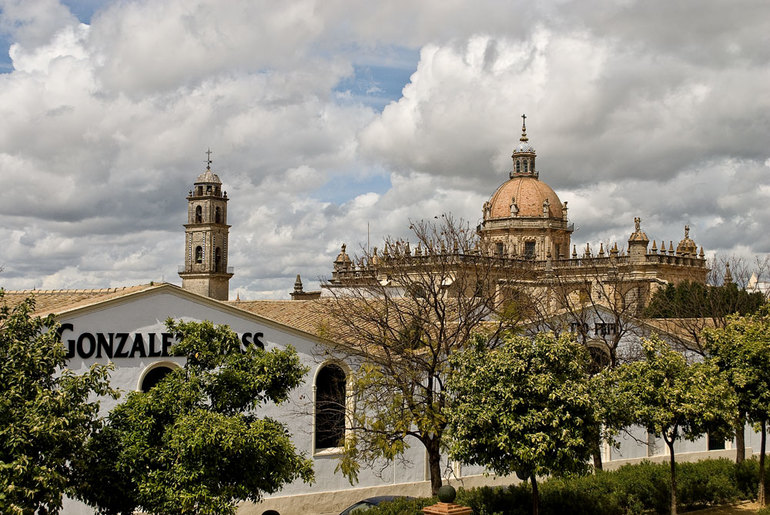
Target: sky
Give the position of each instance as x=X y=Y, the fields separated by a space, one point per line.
x=337 y=122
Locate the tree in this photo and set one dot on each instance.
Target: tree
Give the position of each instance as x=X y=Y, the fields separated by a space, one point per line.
x=742 y=351
x=671 y=397
x=400 y=316
x=46 y=411
x=686 y=309
x=194 y=443
x=524 y=407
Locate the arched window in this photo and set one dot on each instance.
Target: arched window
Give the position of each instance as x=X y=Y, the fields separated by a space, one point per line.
x=330 y=407
x=153 y=377
x=518 y=166
x=198 y=214
x=217 y=259
x=218 y=216
x=198 y=254
x=526 y=166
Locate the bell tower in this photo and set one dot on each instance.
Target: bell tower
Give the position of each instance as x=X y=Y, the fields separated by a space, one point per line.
x=205 y=270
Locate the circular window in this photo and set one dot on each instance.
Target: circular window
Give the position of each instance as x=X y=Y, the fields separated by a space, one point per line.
x=154 y=376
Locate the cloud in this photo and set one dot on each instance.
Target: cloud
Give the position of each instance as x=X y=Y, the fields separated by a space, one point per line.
x=636 y=108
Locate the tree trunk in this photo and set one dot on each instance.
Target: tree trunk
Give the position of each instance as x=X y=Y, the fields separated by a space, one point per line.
x=673 y=475
x=597 y=455
x=535 y=497
x=761 y=490
x=434 y=464
x=740 y=440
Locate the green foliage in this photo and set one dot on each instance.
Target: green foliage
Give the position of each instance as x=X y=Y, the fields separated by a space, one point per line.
x=524 y=406
x=403 y=506
x=194 y=443
x=696 y=300
x=742 y=351
x=746 y=478
x=631 y=489
x=670 y=397
x=46 y=411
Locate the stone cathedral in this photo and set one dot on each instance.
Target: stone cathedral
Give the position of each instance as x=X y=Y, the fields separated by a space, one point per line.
x=526 y=231
x=524 y=228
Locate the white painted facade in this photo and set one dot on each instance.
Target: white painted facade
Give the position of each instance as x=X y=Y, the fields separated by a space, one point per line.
x=144 y=313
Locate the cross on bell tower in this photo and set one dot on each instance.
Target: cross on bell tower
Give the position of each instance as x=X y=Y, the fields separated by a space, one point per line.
x=205 y=270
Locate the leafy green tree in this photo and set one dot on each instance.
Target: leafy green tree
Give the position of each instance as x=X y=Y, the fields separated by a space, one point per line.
x=742 y=351
x=46 y=411
x=671 y=397
x=194 y=442
x=685 y=310
x=695 y=300
x=524 y=407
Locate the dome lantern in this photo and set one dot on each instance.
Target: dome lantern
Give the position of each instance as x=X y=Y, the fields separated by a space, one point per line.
x=523 y=155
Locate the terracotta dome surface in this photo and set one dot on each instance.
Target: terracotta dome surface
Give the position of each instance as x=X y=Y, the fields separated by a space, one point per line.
x=530 y=193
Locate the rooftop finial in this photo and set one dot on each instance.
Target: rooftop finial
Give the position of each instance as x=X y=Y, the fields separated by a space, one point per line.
x=208 y=159
x=524 y=128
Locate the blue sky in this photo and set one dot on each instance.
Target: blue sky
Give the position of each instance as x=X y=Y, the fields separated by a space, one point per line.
x=330 y=120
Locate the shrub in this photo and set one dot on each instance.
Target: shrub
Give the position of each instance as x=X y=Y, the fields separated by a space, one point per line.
x=511 y=500
x=747 y=478
x=707 y=482
x=403 y=506
x=629 y=490
x=644 y=486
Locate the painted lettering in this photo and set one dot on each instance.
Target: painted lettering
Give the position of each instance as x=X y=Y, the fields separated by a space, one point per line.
x=167 y=341
x=138 y=346
x=154 y=353
x=121 y=351
x=86 y=337
x=132 y=345
x=70 y=351
x=103 y=343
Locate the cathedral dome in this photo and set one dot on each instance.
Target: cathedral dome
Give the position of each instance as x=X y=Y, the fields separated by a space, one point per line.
x=524 y=196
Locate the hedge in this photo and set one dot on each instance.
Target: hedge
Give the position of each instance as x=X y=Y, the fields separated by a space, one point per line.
x=631 y=489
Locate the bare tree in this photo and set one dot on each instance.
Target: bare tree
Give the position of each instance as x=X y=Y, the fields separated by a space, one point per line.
x=398 y=316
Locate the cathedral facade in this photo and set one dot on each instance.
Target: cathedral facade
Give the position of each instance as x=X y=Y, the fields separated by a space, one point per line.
x=526 y=233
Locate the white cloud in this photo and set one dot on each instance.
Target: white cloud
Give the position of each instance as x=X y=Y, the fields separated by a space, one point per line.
x=105 y=124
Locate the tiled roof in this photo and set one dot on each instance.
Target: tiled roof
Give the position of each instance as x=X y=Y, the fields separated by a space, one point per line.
x=304 y=315
x=57 y=301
